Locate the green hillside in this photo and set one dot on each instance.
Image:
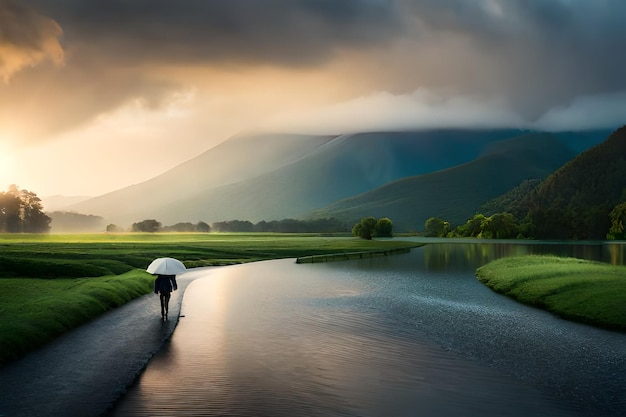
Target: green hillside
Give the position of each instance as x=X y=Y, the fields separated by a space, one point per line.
x=257 y=177
x=455 y=194
x=237 y=159
x=267 y=177
x=575 y=201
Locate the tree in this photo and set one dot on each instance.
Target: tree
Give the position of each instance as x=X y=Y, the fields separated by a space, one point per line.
x=9 y=212
x=112 y=228
x=203 y=227
x=436 y=227
x=237 y=226
x=618 y=218
x=33 y=218
x=500 y=226
x=365 y=228
x=149 y=226
x=22 y=211
x=384 y=227
x=181 y=227
x=472 y=227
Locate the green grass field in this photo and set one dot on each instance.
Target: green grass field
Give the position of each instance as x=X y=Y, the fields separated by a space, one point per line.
x=92 y=255
x=583 y=291
x=53 y=283
x=35 y=311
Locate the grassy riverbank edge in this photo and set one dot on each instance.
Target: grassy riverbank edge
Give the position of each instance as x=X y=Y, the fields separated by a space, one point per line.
x=584 y=291
x=86 y=275
x=350 y=255
x=35 y=311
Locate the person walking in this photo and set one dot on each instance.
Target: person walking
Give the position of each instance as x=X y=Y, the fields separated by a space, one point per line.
x=164 y=285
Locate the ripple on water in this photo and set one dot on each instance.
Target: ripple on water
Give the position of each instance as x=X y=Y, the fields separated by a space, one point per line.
x=274 y=341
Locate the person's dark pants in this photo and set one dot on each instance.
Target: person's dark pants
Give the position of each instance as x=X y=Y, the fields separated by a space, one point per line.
x=165 y=301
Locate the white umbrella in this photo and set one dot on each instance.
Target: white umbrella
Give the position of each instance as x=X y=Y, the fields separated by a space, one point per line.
x=166 y=266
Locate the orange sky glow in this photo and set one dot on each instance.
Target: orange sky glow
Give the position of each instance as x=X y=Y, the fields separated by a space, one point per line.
x=95 y=97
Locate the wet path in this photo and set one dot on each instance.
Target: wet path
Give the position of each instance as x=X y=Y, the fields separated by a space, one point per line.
x=85 y=371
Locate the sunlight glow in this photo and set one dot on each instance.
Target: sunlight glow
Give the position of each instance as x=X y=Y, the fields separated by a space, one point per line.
x=8 y=164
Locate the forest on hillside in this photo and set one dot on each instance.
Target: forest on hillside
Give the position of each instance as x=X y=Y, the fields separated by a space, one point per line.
x=583 y=200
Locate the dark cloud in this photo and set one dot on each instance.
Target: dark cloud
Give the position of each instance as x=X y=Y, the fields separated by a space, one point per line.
x=558 y=48
x=529 y=18
x=546 y=52
x=26 y=38
x=73 y=95
x=270 y=31
x=115 y=48
x=531 y=55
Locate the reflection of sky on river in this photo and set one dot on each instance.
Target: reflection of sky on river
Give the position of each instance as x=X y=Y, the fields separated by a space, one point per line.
x=374 y=337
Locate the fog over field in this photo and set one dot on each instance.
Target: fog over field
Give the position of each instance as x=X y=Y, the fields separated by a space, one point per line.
x=96 y=96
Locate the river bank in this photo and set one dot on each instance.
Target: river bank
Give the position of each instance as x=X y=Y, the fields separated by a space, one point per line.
x=575 y=289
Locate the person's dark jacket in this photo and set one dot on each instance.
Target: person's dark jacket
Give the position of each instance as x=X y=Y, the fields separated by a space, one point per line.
x=165 y=284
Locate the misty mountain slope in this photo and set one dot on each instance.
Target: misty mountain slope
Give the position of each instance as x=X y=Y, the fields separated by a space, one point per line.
x=338 y=168
x=580 y=141
x=233 y=160
x=454 y=194
x=575 y=201
x=271 y=177
x=59 y=202
x=377 y=158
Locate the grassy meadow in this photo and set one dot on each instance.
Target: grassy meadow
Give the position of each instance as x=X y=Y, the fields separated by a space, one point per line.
x=53 y=283
x=35 y=311
x=584 y=291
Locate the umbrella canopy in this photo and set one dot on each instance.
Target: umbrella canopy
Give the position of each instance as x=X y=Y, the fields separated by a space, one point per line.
x=166 y=266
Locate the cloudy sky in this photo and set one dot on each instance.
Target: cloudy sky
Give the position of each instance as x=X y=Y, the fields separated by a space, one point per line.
x=98 y=94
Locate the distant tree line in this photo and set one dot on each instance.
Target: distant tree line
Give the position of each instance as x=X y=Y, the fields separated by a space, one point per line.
x=497 y=226
x=188 y=227
x=506 y=226
x=327 y=225
x=21 y=211
x=71 y=222
x=153 y=226
x=240 y=226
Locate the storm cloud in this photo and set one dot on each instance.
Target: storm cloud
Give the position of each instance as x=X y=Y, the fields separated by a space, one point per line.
x=535 y=58
x=282 y=32
x=537 y=53
x=27 y=38
x=95 y=81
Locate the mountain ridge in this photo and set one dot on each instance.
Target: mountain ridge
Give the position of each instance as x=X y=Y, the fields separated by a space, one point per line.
x=277 y=176
x=455 y=194
x=574 y=202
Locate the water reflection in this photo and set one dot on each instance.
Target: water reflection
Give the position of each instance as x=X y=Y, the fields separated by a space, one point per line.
x=406 y=335
x=616 y=253
x=454 y=256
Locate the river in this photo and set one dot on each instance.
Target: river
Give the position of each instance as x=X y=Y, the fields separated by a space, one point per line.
x=405 y=335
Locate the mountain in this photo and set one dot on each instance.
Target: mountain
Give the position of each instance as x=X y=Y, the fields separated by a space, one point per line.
x=276 y=176
x=575 y=201
x=580 y=141
x=455 y=194
x=232 y=161
x=60 y=202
